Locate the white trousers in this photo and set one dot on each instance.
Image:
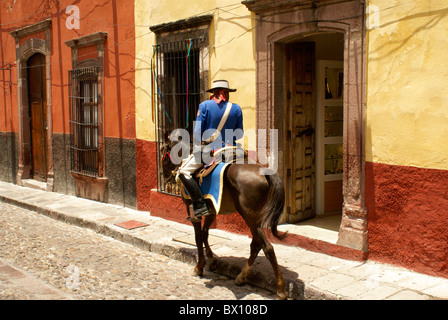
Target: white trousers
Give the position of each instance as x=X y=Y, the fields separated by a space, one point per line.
x=189 y=166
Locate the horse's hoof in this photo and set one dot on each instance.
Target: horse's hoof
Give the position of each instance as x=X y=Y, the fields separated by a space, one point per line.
x=239 y=281
x=282 y=295
x=198 y=272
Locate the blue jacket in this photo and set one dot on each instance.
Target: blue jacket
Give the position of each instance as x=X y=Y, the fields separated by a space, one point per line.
x=208 y=117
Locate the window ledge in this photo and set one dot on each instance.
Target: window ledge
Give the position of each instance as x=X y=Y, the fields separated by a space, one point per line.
x=93 y=188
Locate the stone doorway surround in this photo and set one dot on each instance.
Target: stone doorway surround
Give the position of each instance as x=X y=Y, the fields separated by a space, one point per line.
x=29 y=40
x=287 y=21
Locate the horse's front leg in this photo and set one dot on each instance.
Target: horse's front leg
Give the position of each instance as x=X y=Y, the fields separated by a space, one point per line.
x=199 y=269
x=197 y=225
x=208 y=251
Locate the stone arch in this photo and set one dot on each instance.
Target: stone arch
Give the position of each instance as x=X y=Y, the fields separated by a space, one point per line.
x=24 y=50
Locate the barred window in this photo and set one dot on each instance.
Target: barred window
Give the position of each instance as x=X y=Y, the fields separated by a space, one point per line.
x=178 y=83
x=84 y=142
x=179 y=89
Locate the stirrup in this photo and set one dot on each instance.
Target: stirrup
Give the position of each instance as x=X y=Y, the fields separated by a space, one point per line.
x=203 y=211
x=199 y=216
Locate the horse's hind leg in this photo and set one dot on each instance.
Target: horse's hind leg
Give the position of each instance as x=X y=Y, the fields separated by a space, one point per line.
x=255 y=247
x=270 y=254
x=260 y=241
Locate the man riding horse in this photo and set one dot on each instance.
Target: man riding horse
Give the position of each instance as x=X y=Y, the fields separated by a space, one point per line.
x=219 y=123
x=257 y=195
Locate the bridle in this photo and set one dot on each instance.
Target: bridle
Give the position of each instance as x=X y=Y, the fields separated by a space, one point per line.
x=167 y=163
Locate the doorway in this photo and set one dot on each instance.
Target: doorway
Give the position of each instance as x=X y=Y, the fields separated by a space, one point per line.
x=37 y=116
x=313 y=131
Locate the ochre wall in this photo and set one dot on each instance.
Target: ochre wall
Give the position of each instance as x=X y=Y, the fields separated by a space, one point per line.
x=231 y=52
x=231 y=57
x=406 y=85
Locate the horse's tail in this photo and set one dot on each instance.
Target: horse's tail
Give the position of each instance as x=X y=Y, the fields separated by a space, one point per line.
x=274 y=206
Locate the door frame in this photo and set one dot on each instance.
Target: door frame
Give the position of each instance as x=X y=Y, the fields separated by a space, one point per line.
x=297 y=20
x=321 y=139
x=38 y=41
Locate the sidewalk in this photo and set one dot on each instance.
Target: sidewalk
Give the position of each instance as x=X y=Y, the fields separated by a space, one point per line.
x=309 y=275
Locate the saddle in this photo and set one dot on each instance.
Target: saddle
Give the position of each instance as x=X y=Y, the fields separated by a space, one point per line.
x=228 y=154
x=210 y=177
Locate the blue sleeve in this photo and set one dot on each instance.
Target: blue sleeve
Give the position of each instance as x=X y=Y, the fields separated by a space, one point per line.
x=239 y=124
x=200 y=123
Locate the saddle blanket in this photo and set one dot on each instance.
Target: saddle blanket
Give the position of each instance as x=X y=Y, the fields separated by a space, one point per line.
x=212 y=186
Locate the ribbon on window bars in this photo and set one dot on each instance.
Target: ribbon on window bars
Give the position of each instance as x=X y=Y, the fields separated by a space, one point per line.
x=154 y=80
x=189 y=41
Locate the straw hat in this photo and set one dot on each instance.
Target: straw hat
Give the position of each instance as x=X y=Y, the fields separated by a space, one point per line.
x=220 y=84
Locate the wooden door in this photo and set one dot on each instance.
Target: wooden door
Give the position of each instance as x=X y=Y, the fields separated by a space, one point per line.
x=300 y=137
x=37 y=108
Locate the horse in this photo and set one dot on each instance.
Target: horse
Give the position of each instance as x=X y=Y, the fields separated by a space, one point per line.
x=258 y=198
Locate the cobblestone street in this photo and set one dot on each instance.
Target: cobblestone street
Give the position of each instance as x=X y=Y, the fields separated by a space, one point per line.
x=39 y=254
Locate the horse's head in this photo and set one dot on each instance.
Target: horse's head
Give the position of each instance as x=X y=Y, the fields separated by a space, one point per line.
x=168 y=167
x=172 y=151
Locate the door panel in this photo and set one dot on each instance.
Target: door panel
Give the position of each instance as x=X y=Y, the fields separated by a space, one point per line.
x=38 y=106
x=300 y=123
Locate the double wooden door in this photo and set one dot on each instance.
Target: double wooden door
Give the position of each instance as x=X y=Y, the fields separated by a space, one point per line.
x=38 y=116
x=300 y=122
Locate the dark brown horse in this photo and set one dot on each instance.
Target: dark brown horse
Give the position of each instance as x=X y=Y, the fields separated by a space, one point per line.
x=258 y=198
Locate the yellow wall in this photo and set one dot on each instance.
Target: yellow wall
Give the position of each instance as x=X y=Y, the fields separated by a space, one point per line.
x=231 y=50
x=407 y=78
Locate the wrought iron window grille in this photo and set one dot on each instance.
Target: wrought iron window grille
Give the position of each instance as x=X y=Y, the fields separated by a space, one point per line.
x=177 y=89
x=84 y=121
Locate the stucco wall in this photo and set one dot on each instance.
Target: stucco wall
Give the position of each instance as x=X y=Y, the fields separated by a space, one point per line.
x=406 y=145
x=114 y=17
x=231 y=57
x=406 y=80
x=231 y=52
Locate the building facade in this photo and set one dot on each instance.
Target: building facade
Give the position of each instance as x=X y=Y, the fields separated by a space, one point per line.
x=180 y=47
x=406 y=148
x=353 y=90
x=69 y=98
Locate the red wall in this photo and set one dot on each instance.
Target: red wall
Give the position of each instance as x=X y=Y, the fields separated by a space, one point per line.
x=408 y=217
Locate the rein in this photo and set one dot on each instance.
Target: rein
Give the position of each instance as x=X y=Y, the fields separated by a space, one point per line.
x=169 y=165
